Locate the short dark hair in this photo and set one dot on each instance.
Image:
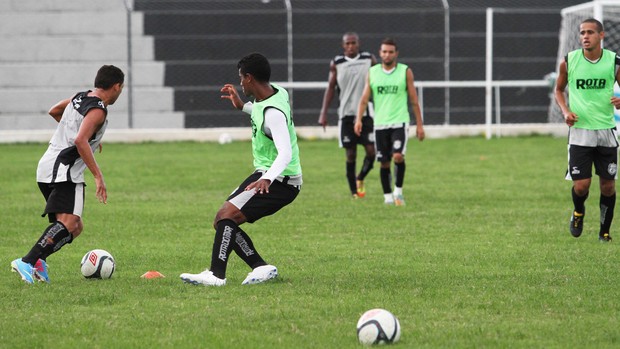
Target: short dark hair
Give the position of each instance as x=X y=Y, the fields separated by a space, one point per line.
x=350 y=34
x=257 y=65
x=599 y=25
x=389 y=41
x=108 y=76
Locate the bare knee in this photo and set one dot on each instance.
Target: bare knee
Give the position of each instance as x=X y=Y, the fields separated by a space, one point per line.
x=398 y=158
x=608 y=187
x=582 y=186
x=351 y=154
x=73 y=223
x=229 y=211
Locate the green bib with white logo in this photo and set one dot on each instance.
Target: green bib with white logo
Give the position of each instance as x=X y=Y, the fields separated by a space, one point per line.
x=263 y=148
x=389 y=94
x=590 y=88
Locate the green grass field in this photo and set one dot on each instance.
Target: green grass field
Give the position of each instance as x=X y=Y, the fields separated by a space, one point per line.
x=480 y=257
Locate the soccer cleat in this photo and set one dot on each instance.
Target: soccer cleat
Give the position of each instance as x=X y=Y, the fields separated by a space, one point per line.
x=40 y=271
x=25 y=270
x=576 y=224
x=261 y=274
x=399 y=200
x=354 y=197
x=389 y=202
x=205 y=278
x=604 y=238
x=361 y=190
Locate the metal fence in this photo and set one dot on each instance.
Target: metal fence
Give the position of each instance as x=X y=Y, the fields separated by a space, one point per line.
x=200 y=41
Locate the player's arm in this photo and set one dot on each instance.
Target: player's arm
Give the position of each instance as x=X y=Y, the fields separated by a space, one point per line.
x=560 y=95
x=615 y=100
x=328 y=96
x=275 y=126
x=92 y=123
x=57 y=109
x=230 y=92
x=413 y=98
x=361 y=109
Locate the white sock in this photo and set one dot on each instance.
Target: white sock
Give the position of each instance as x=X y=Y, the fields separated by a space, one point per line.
x=398 y=191
x=388 y=197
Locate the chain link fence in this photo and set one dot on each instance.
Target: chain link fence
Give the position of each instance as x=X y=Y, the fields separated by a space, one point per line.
x=201 y=42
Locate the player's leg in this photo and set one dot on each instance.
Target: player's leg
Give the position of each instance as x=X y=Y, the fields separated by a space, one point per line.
x=367 y=140
x=580 y=171
x=351 y=154
x=226 y=224
x=606 y=168
x=384 y=157
x=607 y=204
x=63 y=228
x=399 y=141
x=262 y=205
x=348 y=141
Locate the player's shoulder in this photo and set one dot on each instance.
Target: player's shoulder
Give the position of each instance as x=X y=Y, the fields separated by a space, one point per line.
x=82 y=102
x=365 y=55
x=339 y=59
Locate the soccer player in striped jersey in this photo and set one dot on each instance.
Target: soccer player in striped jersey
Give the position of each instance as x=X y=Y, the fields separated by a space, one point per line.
x=274 y=184
x=590 y=74
x=347 y=75
x=82 y=121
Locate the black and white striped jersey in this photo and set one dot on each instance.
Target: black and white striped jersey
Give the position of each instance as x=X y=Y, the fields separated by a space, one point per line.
x=351 y=77
x=62 y=162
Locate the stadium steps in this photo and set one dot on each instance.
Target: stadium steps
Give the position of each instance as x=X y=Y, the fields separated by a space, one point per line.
x=60 y=46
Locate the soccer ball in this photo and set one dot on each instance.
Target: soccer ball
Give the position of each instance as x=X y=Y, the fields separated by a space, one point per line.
x=225 y=138
x=97 y=264
x=378 y=326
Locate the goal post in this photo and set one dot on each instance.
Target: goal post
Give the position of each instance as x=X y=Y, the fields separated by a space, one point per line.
x=606 y=11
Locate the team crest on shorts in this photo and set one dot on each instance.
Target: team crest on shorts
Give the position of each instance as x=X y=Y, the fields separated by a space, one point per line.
x=397 y=144
x=612 y=168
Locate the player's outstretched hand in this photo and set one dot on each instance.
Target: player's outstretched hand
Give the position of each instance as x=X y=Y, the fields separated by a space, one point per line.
x=230 y=92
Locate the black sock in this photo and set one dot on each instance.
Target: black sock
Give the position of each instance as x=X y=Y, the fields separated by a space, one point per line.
x=399 y=168
x=351 y=177
x=386 y=180
x=223 y=243
x=244 y=248
x=54 y=237
x=607 y=204
x=579 y=201
x=366 y=167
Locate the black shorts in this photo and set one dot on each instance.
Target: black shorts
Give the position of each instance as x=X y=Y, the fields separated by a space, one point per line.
x=389 y=141
x=348 y=138
x=256 y=206
x=580 y=160
x=62 y=197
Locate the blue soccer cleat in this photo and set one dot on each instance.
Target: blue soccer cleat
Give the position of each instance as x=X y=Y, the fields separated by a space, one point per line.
x=25 y=270
x=40 y=271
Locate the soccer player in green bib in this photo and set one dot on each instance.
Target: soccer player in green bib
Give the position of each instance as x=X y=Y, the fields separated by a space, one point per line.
x=390 y=84
x=590 y=74
x=274 y=184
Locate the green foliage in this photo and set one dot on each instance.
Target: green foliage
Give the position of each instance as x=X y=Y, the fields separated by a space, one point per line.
x=480 y=257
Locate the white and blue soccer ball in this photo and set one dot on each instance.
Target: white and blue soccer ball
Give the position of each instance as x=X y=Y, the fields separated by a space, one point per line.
x=378 y=326
x=98 y=264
